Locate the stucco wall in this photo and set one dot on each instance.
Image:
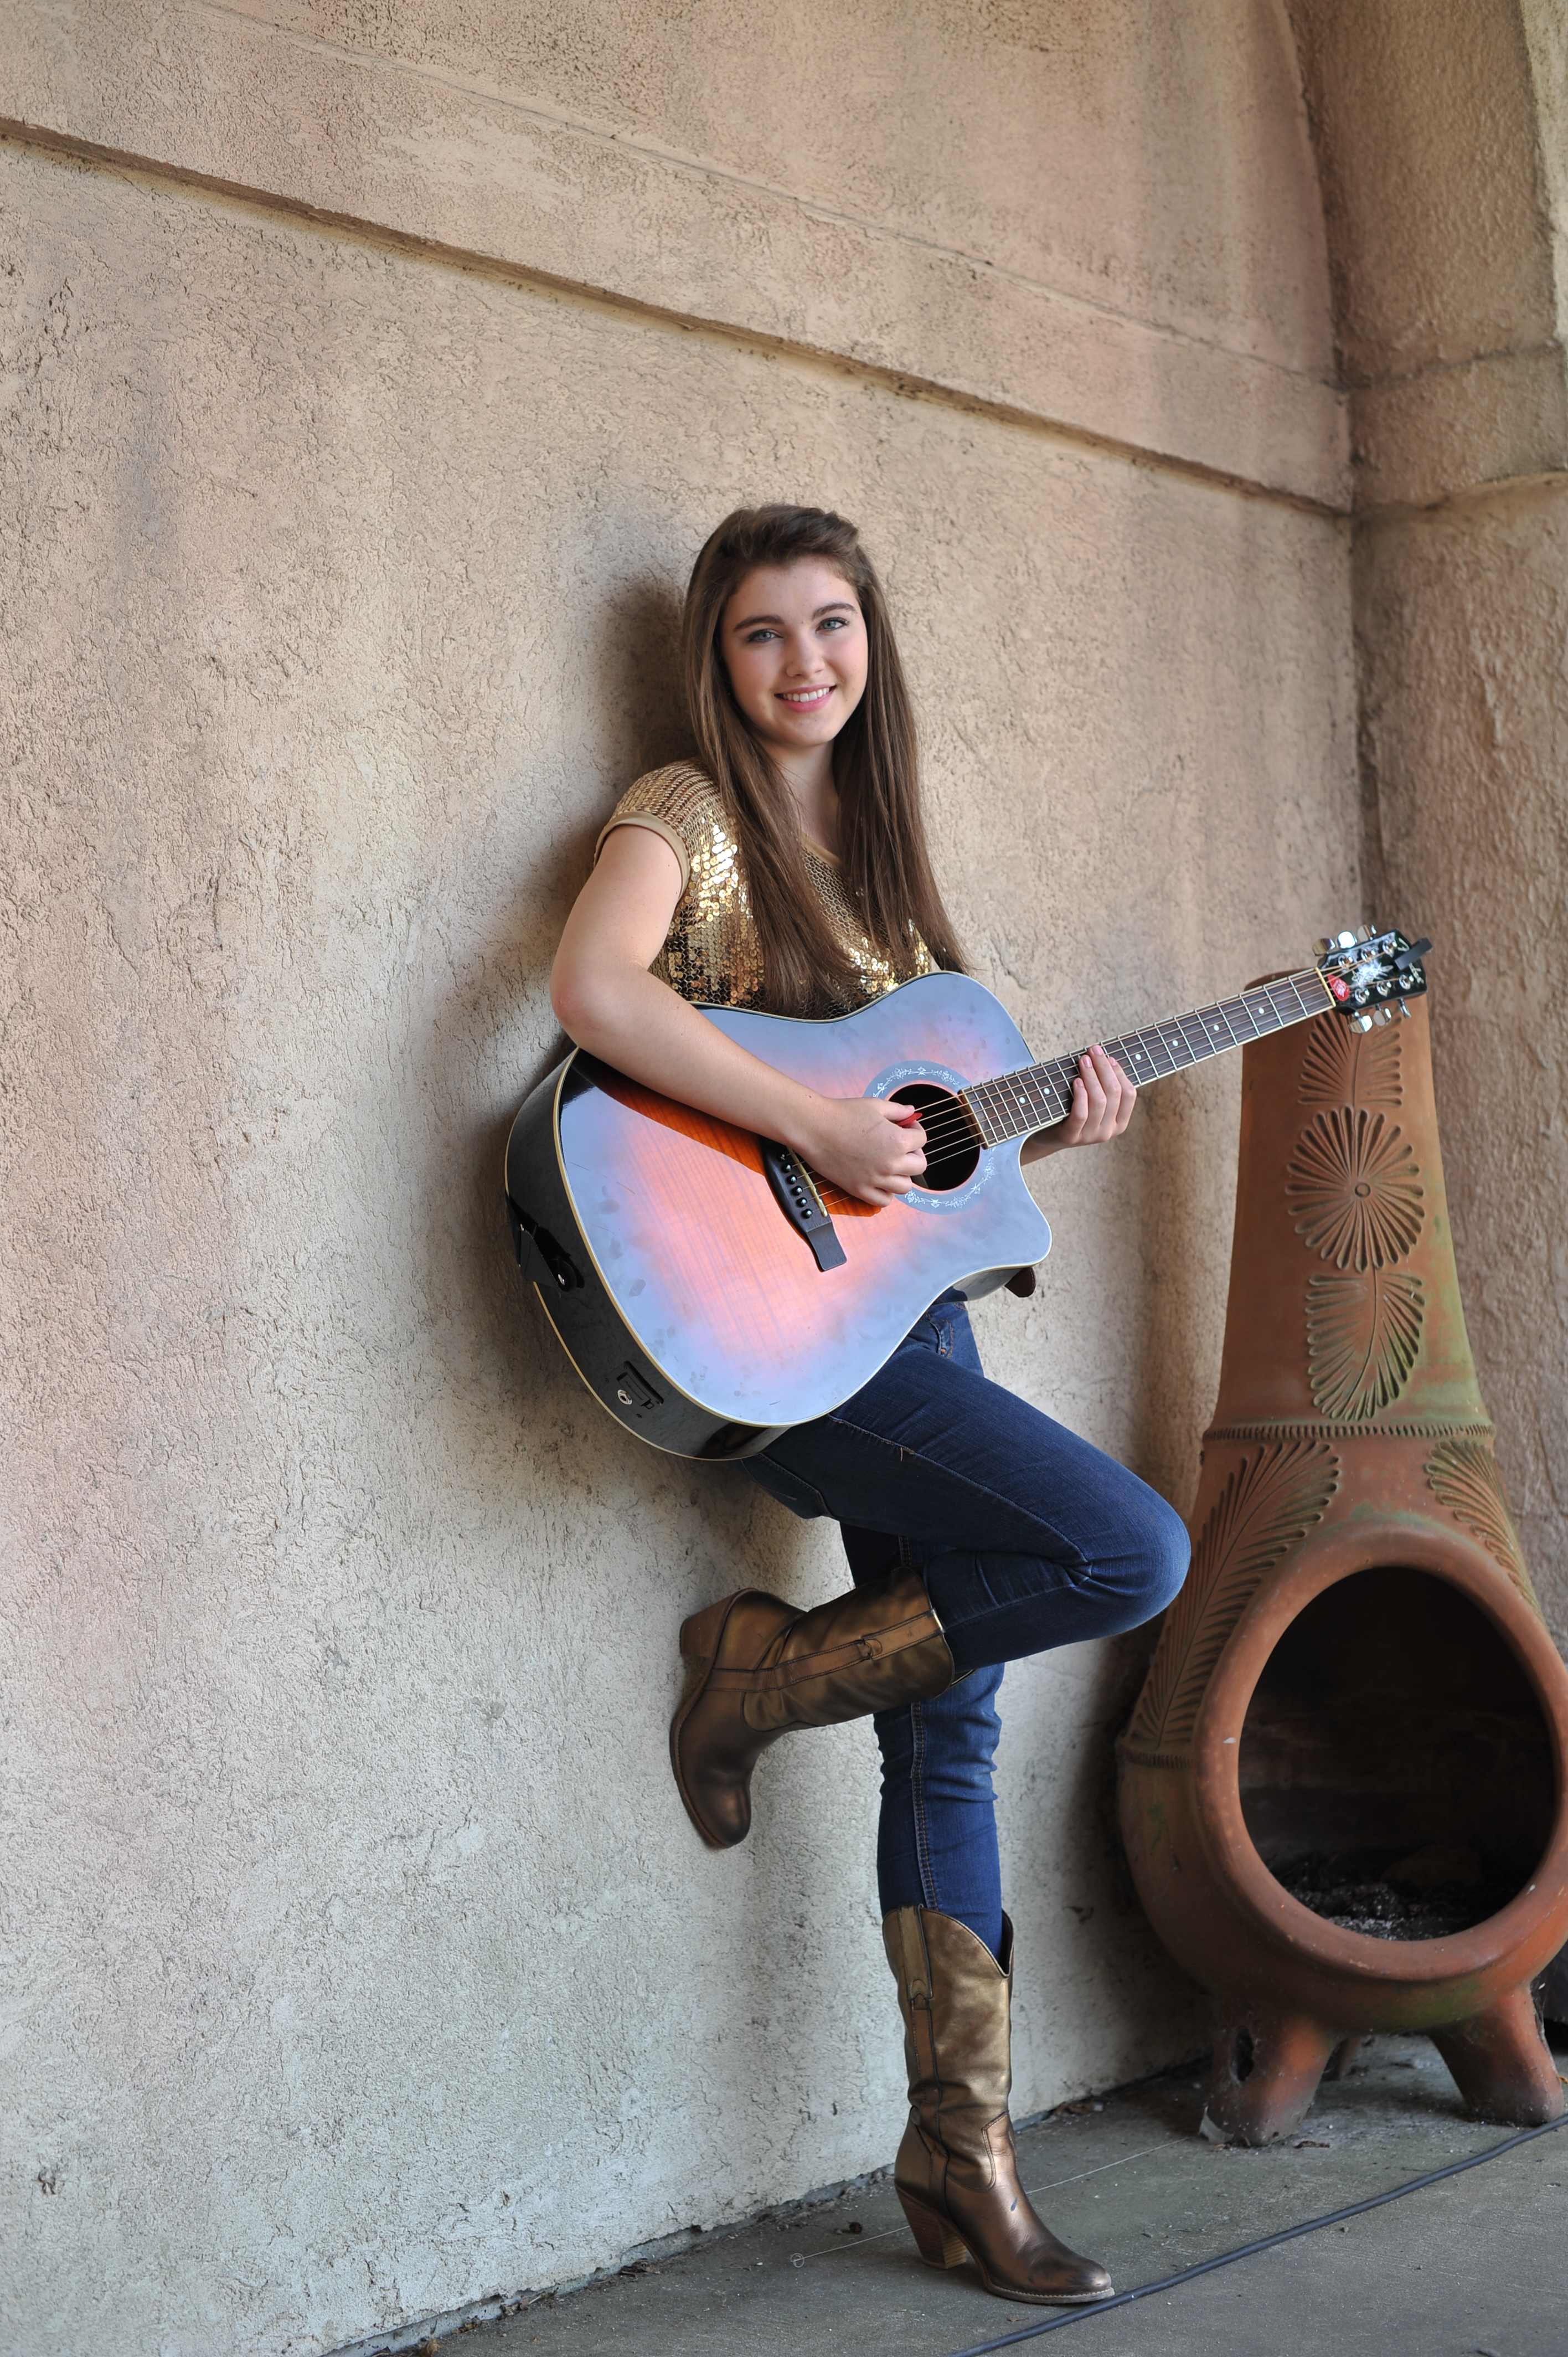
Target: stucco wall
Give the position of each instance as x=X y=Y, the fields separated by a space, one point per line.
x=362 y=1964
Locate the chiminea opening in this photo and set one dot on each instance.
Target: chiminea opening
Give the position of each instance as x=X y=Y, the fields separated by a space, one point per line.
x=1396 y=1771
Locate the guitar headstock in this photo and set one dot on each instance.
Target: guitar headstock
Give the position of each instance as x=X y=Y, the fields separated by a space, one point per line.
x=1369 y=975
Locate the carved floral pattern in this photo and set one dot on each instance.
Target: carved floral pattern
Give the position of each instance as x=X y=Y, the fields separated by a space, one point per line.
x=1464 y=1474
x=1342 y=1067
x=1355 y=1190
x=1362 y=1337
x=1271 y=1498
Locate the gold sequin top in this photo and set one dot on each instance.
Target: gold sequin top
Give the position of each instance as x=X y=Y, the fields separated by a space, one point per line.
x=711 y=953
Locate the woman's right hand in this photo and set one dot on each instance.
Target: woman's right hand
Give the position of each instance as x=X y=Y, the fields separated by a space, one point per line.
x=873 y=1150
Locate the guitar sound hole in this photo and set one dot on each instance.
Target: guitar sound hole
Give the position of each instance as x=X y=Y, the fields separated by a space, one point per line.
x=952 y=1147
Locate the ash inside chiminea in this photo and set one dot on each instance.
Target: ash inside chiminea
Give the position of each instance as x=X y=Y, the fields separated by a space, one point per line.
x=1396 y=1772
x=1440 y=1888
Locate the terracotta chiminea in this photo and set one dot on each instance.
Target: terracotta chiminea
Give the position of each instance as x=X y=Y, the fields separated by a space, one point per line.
x=1343 y=1788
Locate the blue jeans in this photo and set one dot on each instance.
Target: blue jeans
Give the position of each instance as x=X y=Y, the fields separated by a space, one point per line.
x=1029 y=1538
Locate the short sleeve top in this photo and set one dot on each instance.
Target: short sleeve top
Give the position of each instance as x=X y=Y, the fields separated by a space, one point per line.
x=713 y=953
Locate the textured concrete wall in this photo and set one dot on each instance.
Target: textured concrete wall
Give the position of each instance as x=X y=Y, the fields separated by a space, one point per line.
x=1442 y=128
x=361 y=1962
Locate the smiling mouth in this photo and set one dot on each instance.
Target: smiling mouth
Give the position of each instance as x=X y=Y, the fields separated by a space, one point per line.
x=805 y=698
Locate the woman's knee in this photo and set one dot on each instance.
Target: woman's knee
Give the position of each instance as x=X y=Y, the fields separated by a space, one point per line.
x=1165 y=1557
x=1145 y=1561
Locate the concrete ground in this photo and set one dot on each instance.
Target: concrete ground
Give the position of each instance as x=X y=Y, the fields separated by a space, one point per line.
x=1474 y=2268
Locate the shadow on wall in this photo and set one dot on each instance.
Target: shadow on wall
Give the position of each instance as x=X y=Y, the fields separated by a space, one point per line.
x=639 y=672
x=640 y=690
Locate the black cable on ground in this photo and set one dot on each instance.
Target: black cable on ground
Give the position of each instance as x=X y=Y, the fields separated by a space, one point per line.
x=1066 y=2316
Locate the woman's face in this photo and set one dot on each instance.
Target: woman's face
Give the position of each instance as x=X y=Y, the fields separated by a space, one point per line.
x=793 y=642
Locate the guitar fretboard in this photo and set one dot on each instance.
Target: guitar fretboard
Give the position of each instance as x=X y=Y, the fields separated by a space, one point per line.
x=1017 y=1103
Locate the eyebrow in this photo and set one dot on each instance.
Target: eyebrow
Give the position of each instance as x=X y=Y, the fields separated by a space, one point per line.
x=833 y=606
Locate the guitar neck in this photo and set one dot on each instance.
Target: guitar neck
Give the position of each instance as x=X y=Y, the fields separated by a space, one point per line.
x=1015 y=1105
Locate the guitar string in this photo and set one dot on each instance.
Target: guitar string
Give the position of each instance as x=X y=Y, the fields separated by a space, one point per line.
x=1051 y=1086
x=960 y=1128
x=963 y=1128
x=1058 y=1074
x=1173 y=1036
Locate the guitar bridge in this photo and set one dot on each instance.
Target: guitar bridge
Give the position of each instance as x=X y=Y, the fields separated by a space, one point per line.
x=795 y=1192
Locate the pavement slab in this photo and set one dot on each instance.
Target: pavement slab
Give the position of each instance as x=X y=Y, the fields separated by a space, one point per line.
x=1476 y=2267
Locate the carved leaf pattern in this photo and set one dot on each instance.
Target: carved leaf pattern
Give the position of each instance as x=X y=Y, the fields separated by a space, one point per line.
x=1342 y=1067
x=1355 y=1188
x=1362 y=1337
x=1270 y=1501
x=1464 y=1474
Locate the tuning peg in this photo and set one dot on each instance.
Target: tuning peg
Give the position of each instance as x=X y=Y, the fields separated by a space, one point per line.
x=1407 y=1010
x=1321 y=947
x=1363 y=932
x=1345 y=940
x=1360 y=1023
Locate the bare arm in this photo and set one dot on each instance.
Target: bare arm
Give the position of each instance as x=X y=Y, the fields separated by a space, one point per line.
x=609 y=1003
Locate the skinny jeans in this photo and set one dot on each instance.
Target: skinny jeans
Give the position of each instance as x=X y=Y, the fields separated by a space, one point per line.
x=1029 y=1538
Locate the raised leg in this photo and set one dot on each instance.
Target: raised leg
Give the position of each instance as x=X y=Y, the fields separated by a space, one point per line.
x=1502 y=2062
x=1266 y=2069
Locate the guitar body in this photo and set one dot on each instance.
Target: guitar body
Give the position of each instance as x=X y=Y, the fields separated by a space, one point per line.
x=693 y=1307
x=711 y=1297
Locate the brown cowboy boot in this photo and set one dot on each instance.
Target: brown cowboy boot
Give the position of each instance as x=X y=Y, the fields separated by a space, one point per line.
x=956 y=2175
x=760 y=1667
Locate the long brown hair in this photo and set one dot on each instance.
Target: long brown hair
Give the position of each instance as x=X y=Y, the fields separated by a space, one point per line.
x=883 y=840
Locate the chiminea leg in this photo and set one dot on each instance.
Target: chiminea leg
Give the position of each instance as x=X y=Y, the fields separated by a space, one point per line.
x=1502 y=2062
x=1266 y=2069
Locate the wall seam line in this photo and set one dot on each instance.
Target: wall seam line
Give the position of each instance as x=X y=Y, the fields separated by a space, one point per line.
x=704 y=168
x=1546 y=344
x=44 y=139
x=1396 y=510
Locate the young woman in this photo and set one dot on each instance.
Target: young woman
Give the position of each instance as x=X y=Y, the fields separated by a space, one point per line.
x=787 y=869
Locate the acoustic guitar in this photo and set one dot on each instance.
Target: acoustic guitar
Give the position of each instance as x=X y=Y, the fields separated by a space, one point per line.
x=712 y=1291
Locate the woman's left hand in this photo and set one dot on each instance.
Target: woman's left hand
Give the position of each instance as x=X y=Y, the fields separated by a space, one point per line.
x=1102 y=1102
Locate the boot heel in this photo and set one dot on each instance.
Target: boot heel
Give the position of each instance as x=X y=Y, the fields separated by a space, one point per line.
x=935 y=2240
x=699 y=1635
